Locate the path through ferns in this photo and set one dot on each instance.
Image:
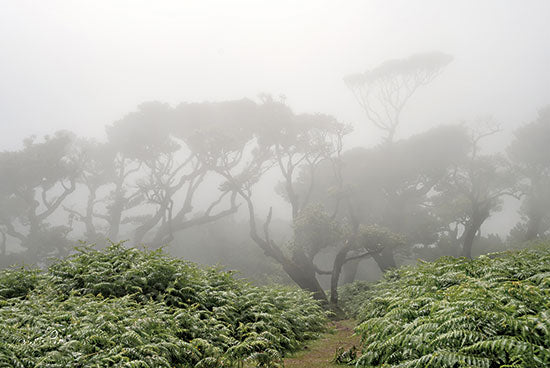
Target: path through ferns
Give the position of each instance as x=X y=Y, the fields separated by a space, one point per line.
x=333 y=345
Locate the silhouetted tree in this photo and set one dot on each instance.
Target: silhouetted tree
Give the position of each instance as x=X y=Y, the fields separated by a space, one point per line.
x=392 y=187
x=383 y=91
x=530 y=155
x=285 y=143
x=36 y=180
x=477 y=183
x=149 y=173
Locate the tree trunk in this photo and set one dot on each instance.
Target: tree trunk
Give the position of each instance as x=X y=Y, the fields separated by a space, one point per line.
x=385 y=259
x=91 y=233
x=304 y=273
x=469 y=237
x=32 y=242
x=533 y=228
x=473 y=226
x=115 y=215
x=339 y=261
x=144 y=228
x=3 y=244
x=350 y=271
x=300 y=268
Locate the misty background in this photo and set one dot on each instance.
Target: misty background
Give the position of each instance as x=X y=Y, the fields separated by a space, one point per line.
x=81 y=66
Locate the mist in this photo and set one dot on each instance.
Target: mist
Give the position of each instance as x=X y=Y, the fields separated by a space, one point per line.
x=176 y=79
x=84 y=65
x=220 y=183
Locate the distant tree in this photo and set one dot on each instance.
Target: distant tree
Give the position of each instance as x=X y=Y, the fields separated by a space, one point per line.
x=392 y=187
x=170 y=168
x=107 y=176
x=284 y=143
x=36 y=180
x=96 y=164
x=306 y=151
x=382 y=92
x=478 y=184
x=530 y=155
x=148 y=173
x=367 y=241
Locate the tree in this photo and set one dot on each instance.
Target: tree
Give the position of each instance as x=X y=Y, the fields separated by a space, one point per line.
x=285 y=143
x=148 y=165
x=392 y=187
x=383 y=91
x=107 y=175
x=96 y=162
x=367 y=241
x=170 y=168
x=478 y=183
x=36 y=180
x=531 y=159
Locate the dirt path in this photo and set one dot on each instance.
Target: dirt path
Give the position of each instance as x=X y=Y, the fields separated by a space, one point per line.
x=319 y=353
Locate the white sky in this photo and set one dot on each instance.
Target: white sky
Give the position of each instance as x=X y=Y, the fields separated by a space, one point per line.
x=80 y=65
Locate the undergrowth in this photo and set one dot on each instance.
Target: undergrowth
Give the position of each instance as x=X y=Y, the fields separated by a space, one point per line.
x=490 y=312
x=121 y=307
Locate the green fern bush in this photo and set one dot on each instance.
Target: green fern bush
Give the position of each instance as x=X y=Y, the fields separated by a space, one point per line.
x=122 y=307
x=17 y=282
x=490 y=312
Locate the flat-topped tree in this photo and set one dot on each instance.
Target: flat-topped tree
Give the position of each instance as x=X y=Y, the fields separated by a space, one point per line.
x=383 y=91
x=101 y=170
x=109 y=171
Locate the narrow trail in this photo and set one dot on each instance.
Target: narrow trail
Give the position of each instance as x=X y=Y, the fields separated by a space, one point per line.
x=320 y=353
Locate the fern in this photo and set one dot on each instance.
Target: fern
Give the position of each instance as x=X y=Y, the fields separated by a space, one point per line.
x=124 y=307
x=489 y=312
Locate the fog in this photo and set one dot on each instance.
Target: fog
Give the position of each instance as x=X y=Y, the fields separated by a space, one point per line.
x=84 y=66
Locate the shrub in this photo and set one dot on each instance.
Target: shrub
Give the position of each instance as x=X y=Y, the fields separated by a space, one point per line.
x=17 y=282
x=352 y=296
x=490 y=312
x=128 y=307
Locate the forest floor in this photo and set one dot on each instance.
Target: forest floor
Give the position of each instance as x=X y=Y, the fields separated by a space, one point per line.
x=320 y=353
